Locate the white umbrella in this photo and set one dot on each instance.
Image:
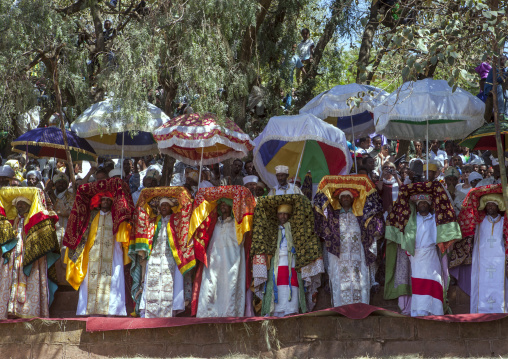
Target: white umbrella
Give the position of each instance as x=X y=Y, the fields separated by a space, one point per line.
x=428 y=109
x=112 y=138
x=302 y=142
x=332 y=107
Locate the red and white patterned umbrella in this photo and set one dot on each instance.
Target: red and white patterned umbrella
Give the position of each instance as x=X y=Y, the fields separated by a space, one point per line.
x=202 y=139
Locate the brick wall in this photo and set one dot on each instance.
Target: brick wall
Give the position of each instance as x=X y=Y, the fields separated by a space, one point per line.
x=293 y=337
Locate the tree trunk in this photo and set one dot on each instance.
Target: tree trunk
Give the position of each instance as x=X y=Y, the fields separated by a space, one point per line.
x=58 y=100
x=367 y=41
x=499 y=143
x=249 y=38
x=403 y=148
x=167 y=170
x=306 y=90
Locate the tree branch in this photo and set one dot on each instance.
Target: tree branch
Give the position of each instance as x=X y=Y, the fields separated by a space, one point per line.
x=74 y=8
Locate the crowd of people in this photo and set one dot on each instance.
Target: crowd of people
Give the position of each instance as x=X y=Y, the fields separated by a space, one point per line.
x=211 y=245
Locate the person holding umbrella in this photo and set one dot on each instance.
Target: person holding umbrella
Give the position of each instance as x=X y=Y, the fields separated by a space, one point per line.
x=282 y=173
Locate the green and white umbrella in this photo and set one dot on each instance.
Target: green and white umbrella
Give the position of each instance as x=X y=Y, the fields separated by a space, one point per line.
x=428 y=109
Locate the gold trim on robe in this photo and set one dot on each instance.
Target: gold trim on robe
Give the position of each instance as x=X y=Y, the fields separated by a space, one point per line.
x=76 y=271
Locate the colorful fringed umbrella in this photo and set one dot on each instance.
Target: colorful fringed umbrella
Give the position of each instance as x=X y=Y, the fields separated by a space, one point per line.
x=202 y=138
x=47 y=142
x=332 y=107
x=119 y=137
x=484 y=138
x=304 y=143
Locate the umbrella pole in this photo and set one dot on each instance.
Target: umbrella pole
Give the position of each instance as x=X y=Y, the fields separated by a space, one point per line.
x=300 y=162
x=54 y=164
x=121 y=163
x=200 y=167
x=354 y=145
x=427 y=145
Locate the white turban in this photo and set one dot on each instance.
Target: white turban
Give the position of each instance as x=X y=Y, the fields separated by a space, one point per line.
x=344 y=193
x=115 y=172
x=250 y=179
x=281 y=169
x=21 y=199
x=474 y=176
x=60 y=177
x=171 y=201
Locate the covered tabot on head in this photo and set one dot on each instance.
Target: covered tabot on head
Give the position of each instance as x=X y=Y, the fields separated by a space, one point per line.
x=266 y=224
x=204 y=216
x=37 y=212
x=145 y=222
x=446 y=221
x=39 y=226
x=121 y=210
x=370 y=213
x=360 y=183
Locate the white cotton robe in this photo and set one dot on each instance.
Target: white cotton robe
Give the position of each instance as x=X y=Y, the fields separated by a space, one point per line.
x=426 y=270
x=222 y=292
x=488 y=278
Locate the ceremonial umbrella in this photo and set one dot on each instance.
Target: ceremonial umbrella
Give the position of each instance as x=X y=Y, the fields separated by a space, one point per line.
x=303 y=143
x=332 y=106
x=47 y=142
x=112 y=135
x=356 y=120
x=484 y=138
x=202 y=139
x=428 y=109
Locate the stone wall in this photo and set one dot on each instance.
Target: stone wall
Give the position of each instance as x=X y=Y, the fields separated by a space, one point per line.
x=303 y=337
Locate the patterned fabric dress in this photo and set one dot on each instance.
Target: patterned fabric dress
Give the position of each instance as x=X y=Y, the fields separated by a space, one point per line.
x=163 y=288
x=62 y=207
x=350 y=278
x=20 y=295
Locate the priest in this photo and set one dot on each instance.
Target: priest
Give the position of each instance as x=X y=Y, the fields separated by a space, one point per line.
x=29 y=249
x=221 y=231
x=287 y=256
x=349 y=220
x=420 y=229
x=488 y=274
x=98 y=237
x=162 y=259
x=478 y=259
x=163 y=285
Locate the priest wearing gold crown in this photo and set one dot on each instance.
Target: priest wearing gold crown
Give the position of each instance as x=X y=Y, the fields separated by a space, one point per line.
x=282 y=173
x=287 y=255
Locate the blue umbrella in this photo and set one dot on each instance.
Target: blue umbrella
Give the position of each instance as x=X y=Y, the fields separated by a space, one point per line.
x=47 y=142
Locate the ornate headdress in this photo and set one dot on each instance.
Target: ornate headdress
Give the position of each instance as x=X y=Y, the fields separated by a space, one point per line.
x=264 y=235
x=146 y=220
x=122 y=209
x=204 y=216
